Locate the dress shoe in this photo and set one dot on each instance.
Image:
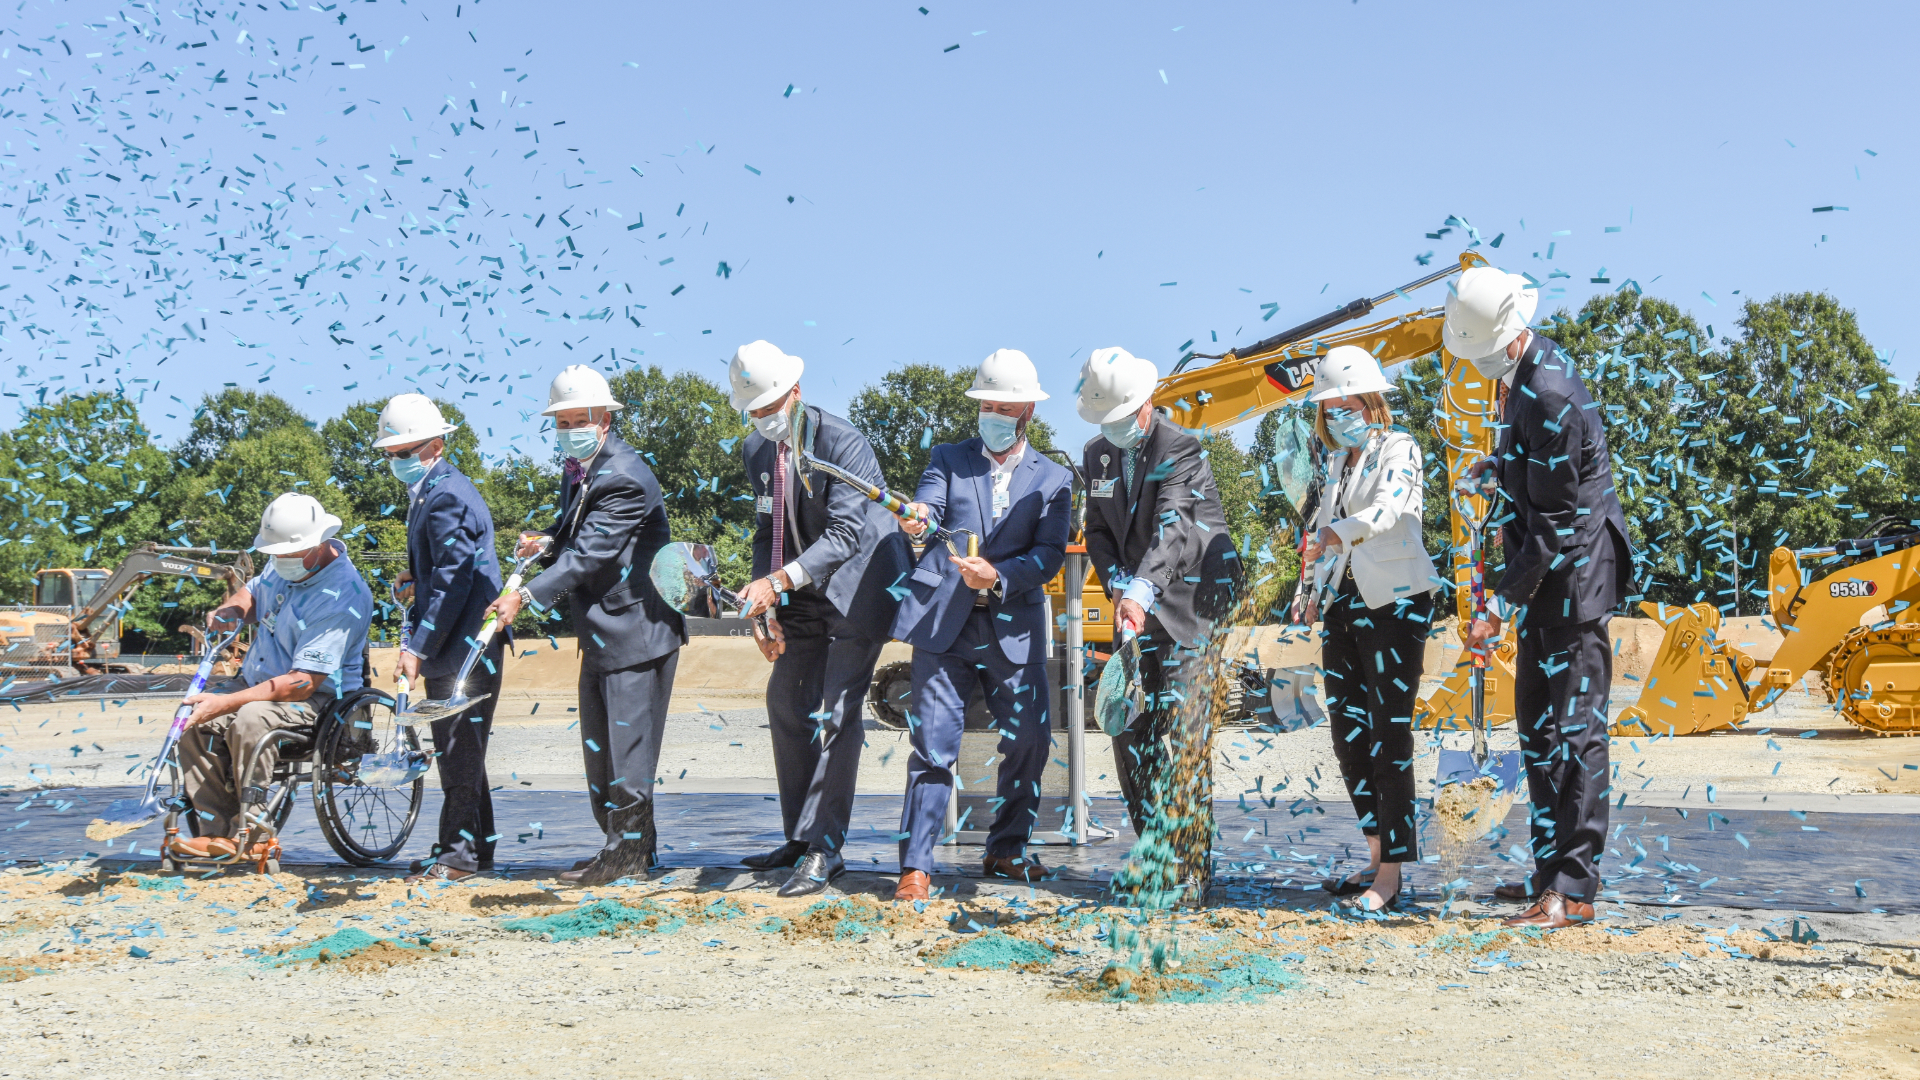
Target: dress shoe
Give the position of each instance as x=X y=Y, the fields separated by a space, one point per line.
x=1349 y=885
x=1019 y=867
x=439 y=871
x=1518 y=890
x=608 y=867
x=787 y=854
x=1554 y=912
x=205 y=847
x=816 y=869
x=1357 y=904
x=914 y=885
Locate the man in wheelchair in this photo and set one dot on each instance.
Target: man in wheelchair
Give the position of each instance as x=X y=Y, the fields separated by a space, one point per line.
x=312 y=610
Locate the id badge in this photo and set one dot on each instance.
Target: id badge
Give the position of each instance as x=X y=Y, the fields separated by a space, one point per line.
x=764 y=504
x=1001 y=499
x=1103 y=489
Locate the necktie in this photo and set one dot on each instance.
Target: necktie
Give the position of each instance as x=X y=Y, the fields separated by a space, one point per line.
x=779 y=509
x=573 y=470
x=1126 y=460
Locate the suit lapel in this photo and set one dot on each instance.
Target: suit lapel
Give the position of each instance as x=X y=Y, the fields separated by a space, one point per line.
x=1115 y=506
x=981 y=470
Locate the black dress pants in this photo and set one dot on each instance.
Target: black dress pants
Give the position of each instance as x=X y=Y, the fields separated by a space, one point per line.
x=1140 y=753
x=1560 y=688
x=1373 y=658
x=466 y=836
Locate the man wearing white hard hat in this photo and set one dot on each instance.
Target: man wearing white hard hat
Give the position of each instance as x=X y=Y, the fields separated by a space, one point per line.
x=1157 y=535
x=1568 y=562
x=977 y=620
x=826 y=560
x=312 y=610
x=612 y=520
x=452 y=575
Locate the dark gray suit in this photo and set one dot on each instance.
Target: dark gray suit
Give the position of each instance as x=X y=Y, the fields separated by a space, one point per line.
x=856 y=555
x=610 y=526
x=1567 y=568
x=1169 y=529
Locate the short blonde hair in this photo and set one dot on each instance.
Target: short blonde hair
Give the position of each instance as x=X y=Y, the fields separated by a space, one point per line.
x=1375 y=406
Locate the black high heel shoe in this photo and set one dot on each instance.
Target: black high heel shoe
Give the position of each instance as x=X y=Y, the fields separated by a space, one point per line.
x=1357 y=904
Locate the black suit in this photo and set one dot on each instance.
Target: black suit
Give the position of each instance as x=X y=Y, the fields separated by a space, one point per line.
x=1169 y=529
x=1567 y=570
x=610 y=525
x=855 y=557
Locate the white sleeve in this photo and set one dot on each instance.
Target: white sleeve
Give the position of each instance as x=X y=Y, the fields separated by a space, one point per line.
x=1395 y=493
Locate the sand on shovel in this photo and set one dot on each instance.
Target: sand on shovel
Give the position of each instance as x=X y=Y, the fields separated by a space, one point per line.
x=1466 y=812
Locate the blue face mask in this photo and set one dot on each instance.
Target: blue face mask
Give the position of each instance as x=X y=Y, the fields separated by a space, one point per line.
x=1348 y=428
x=579 y=443
x=1123 y=432
x=408 y=470
x=999 y=432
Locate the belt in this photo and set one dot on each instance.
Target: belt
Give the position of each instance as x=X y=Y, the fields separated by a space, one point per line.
x=979 y=601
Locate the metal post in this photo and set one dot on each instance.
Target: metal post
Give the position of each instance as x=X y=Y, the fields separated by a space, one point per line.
x=1075 y=580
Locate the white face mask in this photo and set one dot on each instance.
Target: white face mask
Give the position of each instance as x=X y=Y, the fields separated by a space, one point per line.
x=773 y=426
x=291 y=568
x=1495 y=367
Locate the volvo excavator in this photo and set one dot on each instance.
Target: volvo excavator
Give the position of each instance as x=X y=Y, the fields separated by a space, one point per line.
x=73 y=625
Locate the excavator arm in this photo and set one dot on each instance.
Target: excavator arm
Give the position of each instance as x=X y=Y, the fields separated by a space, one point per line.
x=146 y=560
x=1247 y=383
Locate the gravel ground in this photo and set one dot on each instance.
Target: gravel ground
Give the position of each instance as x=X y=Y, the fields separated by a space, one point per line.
x=758 y=986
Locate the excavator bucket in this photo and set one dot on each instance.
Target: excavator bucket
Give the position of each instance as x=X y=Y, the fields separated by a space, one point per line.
x=1697 y=682
x=1450 y=708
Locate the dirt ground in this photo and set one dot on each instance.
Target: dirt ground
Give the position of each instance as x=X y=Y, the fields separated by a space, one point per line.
x=128 y=974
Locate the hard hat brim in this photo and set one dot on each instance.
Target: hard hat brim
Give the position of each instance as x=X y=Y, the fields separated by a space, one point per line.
x=1006 y=395
x=402 y=440
x=760 y=401
x=568 y=406
x=1379 y=386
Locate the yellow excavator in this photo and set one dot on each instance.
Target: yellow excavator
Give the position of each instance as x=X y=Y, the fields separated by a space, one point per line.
x=73 y=625
x=1247 y=383
x=1824 y=601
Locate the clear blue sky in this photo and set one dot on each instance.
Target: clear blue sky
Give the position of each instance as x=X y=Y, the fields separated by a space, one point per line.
x=1033 y=188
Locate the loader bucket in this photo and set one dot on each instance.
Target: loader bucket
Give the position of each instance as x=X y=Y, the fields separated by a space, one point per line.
x=1450 y=708
x=1697 y=682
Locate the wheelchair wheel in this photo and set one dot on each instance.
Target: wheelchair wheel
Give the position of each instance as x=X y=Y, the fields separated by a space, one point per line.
x=364 y=824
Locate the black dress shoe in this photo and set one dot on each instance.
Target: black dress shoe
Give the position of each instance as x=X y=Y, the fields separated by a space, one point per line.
x=609 y=867
x=1349 y=885
x=816 y=869
x=787 y=854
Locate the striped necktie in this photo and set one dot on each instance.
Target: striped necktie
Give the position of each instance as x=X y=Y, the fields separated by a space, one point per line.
x=779 y=509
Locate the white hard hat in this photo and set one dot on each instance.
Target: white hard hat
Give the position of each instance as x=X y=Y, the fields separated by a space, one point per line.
x=1486 y=310
x=761 y=374
x=1115 y=383
x=410 y=418
x=1345 y=371
x=579 y=387
x=294 y=522
x=1007 y=375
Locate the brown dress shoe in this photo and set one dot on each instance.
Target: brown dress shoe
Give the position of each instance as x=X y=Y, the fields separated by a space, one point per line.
x=914 y=885
x=205 y=847
x=1553 y=911
x=1518 y=890
x=1020 y=868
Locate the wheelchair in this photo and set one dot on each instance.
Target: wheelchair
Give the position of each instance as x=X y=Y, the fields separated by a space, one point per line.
x=365 y=823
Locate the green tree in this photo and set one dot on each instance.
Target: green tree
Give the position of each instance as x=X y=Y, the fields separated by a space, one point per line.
x=690 y=435
x=915 y=408
x=78 y=477
x=1812 y=432
x=229 y=416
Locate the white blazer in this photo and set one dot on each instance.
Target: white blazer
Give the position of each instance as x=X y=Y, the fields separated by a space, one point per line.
x=1380 y=532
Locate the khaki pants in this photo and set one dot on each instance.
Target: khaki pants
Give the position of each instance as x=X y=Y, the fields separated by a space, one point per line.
x=213 y=754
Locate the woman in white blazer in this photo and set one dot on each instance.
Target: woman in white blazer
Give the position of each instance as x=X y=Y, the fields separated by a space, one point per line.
x=1373 y=591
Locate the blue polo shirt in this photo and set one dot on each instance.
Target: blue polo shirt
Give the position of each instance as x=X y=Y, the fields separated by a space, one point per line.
x=317 y=625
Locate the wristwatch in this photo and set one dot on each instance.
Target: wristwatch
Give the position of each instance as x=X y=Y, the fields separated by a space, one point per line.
x=526 y=598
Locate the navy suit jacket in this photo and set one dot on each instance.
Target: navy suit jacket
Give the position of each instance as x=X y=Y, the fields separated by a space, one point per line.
x=610 y=527
x=456 y=573
x=1027 y=546
x=1568 y=556
x=851 y=547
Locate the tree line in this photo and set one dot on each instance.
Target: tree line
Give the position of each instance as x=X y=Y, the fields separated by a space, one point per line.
x=1789 y=429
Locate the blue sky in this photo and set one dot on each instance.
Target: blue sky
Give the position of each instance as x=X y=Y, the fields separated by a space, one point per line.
x=1070 y=177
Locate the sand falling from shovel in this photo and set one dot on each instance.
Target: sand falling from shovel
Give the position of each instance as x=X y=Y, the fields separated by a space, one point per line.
x=1466 y=812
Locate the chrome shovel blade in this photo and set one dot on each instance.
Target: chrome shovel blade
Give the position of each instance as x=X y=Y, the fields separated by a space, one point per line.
x=123 y=816
x=439 y=708
x=395 y=768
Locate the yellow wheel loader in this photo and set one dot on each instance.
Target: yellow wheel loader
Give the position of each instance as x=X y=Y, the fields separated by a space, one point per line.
x=1838 y=609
